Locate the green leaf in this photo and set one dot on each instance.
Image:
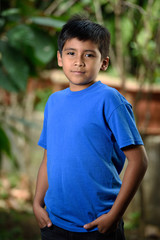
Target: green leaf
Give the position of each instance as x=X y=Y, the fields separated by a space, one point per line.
x=157 y=75
x=151 y=46
x=27 y=7
x=11 y=11
x=15 y=65
x=2 y=22
x=143 y=37
x=36 y=44
x=6 y=82
x=42 y=96
x=4 y=143
x=156 y=10
x=127 y=31
x=5 y=147
x=43 y=48
x=21 y=36
x=46 y=21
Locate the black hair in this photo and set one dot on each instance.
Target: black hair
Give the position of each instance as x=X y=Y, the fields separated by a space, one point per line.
x=84 y=29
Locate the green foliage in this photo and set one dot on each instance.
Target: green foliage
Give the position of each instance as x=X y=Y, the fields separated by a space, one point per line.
x=133 y=221
x=4 y=194
x=127 y=32
x=8 y=132
x=14 y=233
x=145 y=45
x=14 y=179
x=5 y=147
x=43 y=48
x=48 y=22
x=16 y=225
x=10 y=12
x=42 y=96
x=26 y=45
x=20 y=36
x=157 y=74
x=16 y=68
x=5 y=143
x=34 y=43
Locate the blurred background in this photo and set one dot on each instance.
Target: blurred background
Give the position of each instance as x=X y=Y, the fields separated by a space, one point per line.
x=29 y=74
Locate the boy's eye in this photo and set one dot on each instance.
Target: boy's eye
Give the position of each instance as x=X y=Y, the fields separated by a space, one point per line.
x=70 y=53
x=89 y=55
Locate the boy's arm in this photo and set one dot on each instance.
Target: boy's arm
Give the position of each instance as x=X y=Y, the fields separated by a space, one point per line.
x=136 y=168
x=41 y=188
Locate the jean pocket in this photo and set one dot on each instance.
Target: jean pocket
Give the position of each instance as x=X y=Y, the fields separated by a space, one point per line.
x=47 y=228
x=44 y=228
x=110 y=235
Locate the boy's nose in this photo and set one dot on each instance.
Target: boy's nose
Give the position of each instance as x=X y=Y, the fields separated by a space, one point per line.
x=79 y=62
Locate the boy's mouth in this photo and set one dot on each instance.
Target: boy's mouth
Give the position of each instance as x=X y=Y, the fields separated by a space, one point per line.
x=78 y=72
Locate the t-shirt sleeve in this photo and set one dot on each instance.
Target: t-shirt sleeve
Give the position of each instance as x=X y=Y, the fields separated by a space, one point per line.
x=123 y=126
x=43 y=137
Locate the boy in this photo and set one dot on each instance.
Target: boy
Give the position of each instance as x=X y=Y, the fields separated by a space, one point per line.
x=88 y=131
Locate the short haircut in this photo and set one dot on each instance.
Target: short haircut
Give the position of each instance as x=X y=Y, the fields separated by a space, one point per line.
x=84 y=29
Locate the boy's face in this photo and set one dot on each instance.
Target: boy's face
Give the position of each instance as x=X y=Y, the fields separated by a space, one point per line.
x=81 y=62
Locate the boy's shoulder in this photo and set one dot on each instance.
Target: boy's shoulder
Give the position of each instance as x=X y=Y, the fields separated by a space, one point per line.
x=112 y=94
x=57 y=94
x=109 y=90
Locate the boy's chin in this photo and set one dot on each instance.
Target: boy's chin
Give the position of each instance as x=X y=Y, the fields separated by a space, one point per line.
x=80 y=85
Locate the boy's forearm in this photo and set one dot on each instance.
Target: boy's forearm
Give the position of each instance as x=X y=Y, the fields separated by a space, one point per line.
x=42 y=182
x=134 y=173
x=41 y=188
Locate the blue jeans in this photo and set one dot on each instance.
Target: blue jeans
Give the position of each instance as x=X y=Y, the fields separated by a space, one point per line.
x=56 y=233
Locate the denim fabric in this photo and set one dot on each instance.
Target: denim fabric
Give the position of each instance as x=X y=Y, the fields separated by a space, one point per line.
x=56 y=233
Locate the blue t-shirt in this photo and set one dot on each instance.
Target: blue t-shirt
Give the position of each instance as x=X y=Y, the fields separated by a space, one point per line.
x=83 y=133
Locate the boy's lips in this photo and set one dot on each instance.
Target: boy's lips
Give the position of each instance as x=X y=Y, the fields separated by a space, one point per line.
x=78 y=72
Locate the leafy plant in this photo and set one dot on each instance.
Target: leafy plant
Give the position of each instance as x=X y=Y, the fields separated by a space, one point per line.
x=5 y=147
x=133 y=221
x=26 y=46
x=42 y=96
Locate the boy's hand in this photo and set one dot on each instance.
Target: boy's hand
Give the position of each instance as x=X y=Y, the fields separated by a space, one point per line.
x=105 y=223
x=42 y=217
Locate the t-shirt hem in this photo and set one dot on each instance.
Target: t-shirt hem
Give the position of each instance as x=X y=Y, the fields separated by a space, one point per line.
x=55 y=221
x=80 y=230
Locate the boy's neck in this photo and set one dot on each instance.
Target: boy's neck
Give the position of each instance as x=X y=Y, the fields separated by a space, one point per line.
x=79 y=87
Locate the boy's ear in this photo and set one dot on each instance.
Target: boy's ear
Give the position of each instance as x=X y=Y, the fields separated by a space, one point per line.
x=105 y=63
x=59 y=59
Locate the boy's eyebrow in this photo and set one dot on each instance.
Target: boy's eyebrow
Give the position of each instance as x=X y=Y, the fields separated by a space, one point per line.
x=66 y=49
x=73 y=49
